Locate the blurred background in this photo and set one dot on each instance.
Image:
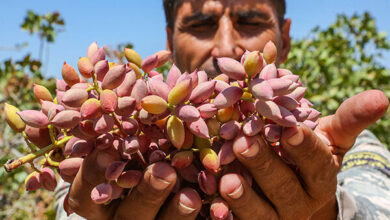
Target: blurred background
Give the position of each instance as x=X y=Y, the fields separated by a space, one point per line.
x=340 y=48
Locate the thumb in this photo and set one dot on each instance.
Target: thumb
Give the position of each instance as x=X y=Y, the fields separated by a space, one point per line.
x=352 y=117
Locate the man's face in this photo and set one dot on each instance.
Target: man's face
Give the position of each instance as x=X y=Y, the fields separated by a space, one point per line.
x=207 y=29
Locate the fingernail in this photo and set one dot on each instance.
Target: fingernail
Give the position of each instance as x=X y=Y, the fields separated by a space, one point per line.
x=158 y=183
x=185 y=209
x=219 y=209
x=162 y=176
x=294 y=135
x=251 y=151
x=237 y=193
x=232 y=186
x=188 y=198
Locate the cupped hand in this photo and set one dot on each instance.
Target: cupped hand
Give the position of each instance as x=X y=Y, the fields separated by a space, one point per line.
x=143 y=202
x=308 y=192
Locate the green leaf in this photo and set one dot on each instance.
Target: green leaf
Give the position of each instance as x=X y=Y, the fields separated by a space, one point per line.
x=341 y=60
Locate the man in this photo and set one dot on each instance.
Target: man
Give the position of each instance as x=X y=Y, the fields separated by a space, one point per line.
x=198 y=32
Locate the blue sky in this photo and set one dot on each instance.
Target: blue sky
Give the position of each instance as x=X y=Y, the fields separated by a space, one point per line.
x=142 y=23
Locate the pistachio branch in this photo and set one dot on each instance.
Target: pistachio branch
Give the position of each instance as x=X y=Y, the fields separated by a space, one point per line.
x=15 y=163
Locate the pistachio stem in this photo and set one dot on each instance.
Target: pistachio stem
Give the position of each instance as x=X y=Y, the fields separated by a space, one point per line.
x=30 y=145
x=90 y=88
x=95 y=84
x=118 y=122
x=50 y=161
x=141 y=159
x=34 y=167
x=248 y=99
x=52 y=134
x=15 y=163
x=171 y=108
x=247 y=81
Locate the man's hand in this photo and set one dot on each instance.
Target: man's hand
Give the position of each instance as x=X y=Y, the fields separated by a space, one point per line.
x=144 y=201
x=309 y=193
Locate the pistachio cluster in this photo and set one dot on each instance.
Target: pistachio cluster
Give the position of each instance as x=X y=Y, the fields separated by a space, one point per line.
x=187 y=120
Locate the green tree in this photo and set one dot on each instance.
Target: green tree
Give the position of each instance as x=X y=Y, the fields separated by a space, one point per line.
x=16 y=83
x=342 y=60
x=45 y=26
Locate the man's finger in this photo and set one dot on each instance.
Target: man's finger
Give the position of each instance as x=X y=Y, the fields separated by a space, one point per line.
x=91 y=174
x=243 y=201
x=185 y=205
x=278 y=182
x=352 y=117
x=146 y=199
x=317 y=166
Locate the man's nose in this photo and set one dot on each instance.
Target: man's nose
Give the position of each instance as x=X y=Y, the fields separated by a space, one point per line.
x=226 y=40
